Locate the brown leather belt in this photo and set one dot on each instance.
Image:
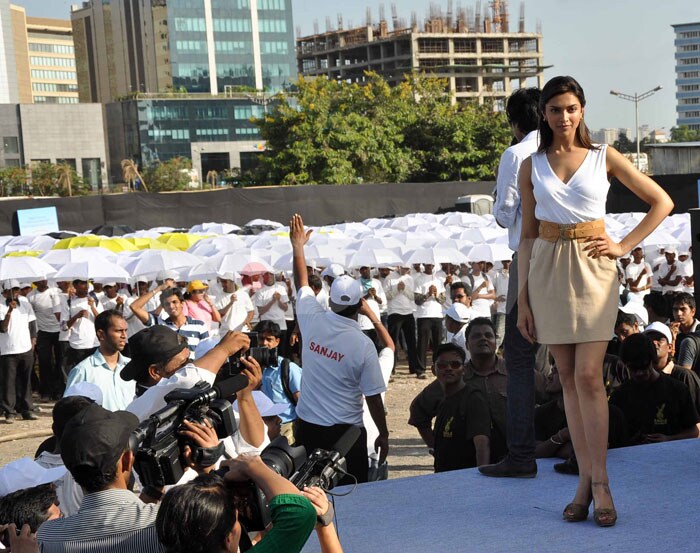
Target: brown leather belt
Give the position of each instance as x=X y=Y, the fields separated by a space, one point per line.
x=551 y=232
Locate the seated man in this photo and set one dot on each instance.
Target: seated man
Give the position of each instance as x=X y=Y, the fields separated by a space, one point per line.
x=32 y=506
x=662 y=339
x=657 y=408
x=281 y=382
x=685 y=327
x=102 y=368
x=456 y=319
x=209 y=508
x=625 y=325
x=463 y=424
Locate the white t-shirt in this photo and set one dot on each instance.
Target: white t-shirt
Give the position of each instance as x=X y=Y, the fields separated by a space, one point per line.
x=400 y=302
x=111 y=303
x=45 y=304
x=238 y=313
x=500 y=283
x=430 y=308
x=275 y=313
x=386 y=364
x=632 y=272
x=680 y=271
x=687 y=273
x=63 y=333
x=134 y=325
x=82 y=333
x=656 y=273
x=340 y=365
x=17 y=339
x=365 y=323
x=482 y=307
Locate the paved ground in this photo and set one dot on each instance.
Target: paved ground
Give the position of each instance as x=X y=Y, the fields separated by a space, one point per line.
x=408 y=456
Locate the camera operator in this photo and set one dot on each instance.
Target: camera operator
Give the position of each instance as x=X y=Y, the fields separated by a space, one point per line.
x=201 y=517
x=160 y=364
x=340 y=366
x=95 y=449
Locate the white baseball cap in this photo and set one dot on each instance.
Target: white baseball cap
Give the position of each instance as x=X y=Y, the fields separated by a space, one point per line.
x=661 y=328
x=458 y=312
x=26 y=473
x=345 y=291
x=671 y=249
x=10 y=284
x=85 y=389
x=333 y=270
x=638 y=310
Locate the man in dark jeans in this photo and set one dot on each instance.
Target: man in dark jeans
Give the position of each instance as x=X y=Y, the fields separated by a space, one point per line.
x=45 y=300
x=523 y=116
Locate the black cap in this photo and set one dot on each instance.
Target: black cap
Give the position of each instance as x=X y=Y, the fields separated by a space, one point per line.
x=95 y=438
x=152 y=345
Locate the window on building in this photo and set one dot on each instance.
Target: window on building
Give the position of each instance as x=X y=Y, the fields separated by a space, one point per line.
x=272 y=25
x=91 y=172
x=11 y=162
x=69 y=161
x=10 y=144
x=271 y=5
x=689 y=61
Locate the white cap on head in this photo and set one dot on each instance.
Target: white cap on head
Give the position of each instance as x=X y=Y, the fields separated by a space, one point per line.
x=661 y=328
x=333 y=270
x=229 y=276
x=10 y=284
x=671 y=249
x=638 y=310
x=458 y=312
x=26 y=473
x=345 y=292
x=85 y=389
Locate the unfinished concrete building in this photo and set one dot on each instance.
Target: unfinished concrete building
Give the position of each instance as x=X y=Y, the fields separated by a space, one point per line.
x=479 y=56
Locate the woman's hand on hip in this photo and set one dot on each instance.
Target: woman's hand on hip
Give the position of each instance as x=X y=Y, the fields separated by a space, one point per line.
x=598 y=246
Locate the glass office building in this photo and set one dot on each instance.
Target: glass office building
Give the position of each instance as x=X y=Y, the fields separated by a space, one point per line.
x=688 y=74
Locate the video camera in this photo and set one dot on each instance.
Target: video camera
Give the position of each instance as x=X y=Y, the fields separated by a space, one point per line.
x=323 y=468
x=157 y=442
x=265 y=357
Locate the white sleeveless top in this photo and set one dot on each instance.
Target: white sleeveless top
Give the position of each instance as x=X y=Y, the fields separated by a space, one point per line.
x=582 y=199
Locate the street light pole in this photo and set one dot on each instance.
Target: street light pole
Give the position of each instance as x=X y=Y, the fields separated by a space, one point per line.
x=636 y=98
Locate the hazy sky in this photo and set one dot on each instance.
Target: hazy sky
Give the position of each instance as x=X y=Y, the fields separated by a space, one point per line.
x=626 y=45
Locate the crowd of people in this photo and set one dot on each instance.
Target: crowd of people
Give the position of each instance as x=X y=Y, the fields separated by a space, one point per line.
x=109 y=354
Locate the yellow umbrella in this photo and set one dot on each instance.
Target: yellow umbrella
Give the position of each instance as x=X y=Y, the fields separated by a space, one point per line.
x=24 y=253
x=73 y=242
x=116 y=244
x=180 y=240
x=143 y=243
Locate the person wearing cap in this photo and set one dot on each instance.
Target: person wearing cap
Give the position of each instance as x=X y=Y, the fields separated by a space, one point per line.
x=661 y=337
x=95 y=449
x=399 y=288
x=671 y=273
x=456 y=319
x=234 y=306
x=44 y=300
x=198 y=305
x=78 y=312
x=102 y=368
x=111 y=298
x=269 y=412
x=172 y=302
x=375 y=297
x=657 y=408
x=638 y=275
x=17 y=339
x=429 y=296
x=271 y=302
x=330 y=273
x=688 y=279
x=340 y=363
x=152 y=305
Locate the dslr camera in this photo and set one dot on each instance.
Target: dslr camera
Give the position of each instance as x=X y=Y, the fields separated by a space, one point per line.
x=265 y=357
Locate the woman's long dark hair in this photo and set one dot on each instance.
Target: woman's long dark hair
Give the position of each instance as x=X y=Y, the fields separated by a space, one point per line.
x=555 y=87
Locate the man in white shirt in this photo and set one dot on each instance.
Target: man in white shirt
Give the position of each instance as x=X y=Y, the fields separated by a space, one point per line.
x=340 y=366
x=78 y=314
x=483 y=291
x=45 y=300
x=638 y=276
x=524 y=115
x=400 y=306
x=272 y=301
x=234 y=306
x=500 y=284
x=111 y=298
x=375 y=297
x=152 y=306
x=429 y=296
x=671 y=273
x=16 y=353
x=688 y=279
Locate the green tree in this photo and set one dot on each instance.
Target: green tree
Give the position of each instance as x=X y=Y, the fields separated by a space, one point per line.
x=173 y=174
x=683 y=133
x=51 y=179
x=624 y=145
x=13 y=181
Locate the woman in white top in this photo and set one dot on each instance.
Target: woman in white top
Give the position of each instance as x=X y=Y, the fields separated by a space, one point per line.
x=570 y=300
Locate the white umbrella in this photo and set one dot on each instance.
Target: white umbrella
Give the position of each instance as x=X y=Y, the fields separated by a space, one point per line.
x=433 y=256
x=216 y=228
x=58 y=258
x=490 y=252
x=25 y=268
x=160 y=264
x=374 y=258
x=95 y=269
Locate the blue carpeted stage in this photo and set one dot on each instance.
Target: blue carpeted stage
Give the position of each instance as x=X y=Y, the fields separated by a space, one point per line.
x=656 y=490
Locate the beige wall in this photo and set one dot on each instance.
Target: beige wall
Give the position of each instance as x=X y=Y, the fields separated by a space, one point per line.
x=19 y=38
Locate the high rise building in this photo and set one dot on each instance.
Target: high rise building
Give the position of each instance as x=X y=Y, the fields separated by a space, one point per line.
x=8 y=65
x=688 y=74
x=195 y=46
x=480 y=59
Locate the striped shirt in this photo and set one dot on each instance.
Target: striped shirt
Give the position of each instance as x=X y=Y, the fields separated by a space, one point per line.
x=194 y=330
x=108 y=521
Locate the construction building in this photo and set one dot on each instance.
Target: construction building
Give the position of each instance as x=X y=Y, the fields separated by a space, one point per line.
x=688 y=74
x=479 y=56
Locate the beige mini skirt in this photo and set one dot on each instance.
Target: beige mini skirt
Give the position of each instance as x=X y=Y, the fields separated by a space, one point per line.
x=573 y=297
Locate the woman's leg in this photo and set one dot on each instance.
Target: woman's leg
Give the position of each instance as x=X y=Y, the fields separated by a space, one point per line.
x=565 y=359
x=593 y=405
